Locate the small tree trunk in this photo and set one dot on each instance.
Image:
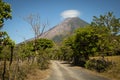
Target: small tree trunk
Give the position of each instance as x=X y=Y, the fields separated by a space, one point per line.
x=4 y=69
x=11 y=56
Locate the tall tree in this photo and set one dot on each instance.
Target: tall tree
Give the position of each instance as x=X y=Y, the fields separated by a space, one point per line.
x=113 y=26
x=108 y=20
x=43 y=56
x=37 y=27
x=5 y=13
x=86 y=42
x=6 y=42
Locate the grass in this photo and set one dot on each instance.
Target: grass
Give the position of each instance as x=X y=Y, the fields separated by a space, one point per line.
x=25 y=72
x=114 y=72
x=37 y=74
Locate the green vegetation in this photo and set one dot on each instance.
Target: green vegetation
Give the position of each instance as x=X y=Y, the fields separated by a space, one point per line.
x=114 y=71
x=5 y=41
x=5 y=12
x=97 y=38
x=16 y=61
x=24 y=59
x=100 y=38
x=100 y=65
x=108 y=20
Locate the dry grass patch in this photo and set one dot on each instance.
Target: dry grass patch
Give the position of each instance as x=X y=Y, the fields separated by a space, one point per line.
x=37 y=74
x=114 y=71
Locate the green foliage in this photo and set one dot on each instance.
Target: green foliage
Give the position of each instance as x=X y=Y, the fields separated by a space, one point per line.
x=26 y=49
x=40 y=56
x=104 y=45
x=86 y=41
x=5 y=12
x=69 y=42
x=5 y=41
x=110 y=33
x=101 y=38
x=6 y=53
x=83 y=43
x=3 y=36
x=56 y=53
x=66 y=50
x=115 y=44
x=67 y=53
x=108 y=20
x=43 y=59
x=99 y=65
x=44 y=44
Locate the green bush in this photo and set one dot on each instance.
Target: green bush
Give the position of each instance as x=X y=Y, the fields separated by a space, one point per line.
x=43 y=63
x=43 y=60
x=100 y=65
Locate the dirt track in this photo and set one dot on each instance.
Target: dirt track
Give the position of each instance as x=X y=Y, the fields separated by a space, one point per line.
x=62 y=71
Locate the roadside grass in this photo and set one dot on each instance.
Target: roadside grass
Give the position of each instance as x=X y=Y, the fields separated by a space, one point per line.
x=114 y=72
x=37 y=74
x=23 y=71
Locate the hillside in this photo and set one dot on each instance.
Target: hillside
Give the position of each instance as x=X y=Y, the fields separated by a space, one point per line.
x=65 y=28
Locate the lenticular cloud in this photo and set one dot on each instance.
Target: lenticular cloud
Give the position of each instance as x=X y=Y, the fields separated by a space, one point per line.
x=70 y=13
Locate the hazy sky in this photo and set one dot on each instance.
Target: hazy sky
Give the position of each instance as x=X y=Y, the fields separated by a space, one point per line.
x=54 y=11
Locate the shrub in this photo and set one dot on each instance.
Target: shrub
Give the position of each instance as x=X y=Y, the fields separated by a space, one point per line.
x=43 y=60
x=43 y=63
x=100 y=65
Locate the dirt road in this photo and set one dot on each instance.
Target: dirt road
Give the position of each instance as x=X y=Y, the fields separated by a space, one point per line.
x=62 y=71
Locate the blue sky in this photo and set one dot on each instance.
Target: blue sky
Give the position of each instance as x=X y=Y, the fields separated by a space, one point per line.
x=51 y=10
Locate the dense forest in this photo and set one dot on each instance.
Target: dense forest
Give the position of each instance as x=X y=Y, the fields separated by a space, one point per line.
x=100 y=38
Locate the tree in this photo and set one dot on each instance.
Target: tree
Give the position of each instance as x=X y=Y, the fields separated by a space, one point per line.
x=4 y=37
x=43 y=43
x=67 y=48
x=113 y=28
x=108 y=20
x=43 y=56
x=5 y=12
x=67 y=53
x=85 y=43
x=6 y=43
x=37 y=27
x=11 y=45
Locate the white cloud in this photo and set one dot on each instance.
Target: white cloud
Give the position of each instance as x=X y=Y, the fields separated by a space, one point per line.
x=70 y=13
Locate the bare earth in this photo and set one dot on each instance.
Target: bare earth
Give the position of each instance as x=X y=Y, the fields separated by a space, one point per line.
x=62 y=71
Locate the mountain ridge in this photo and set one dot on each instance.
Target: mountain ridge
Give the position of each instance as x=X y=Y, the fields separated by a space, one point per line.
x=63 y=29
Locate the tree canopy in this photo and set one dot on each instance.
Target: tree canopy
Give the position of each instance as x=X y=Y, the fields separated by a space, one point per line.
x=98 y=38
x=44 y=43
x=5 y=12
x=108 y=20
